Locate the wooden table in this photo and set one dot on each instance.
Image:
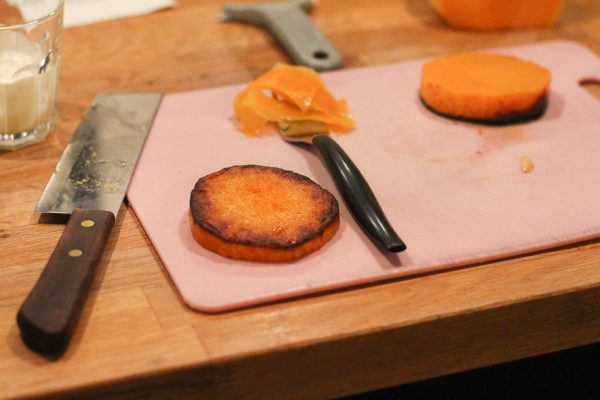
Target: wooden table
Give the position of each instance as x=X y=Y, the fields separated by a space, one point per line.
x=137 y=338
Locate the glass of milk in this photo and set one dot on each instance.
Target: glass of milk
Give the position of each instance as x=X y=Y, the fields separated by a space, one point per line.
x=30 y=37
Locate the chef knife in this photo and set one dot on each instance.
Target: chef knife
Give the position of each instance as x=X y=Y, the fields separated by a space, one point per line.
x=89 y=183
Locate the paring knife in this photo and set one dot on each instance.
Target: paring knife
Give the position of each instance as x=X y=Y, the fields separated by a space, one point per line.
x=357 y=193
x=89 y=183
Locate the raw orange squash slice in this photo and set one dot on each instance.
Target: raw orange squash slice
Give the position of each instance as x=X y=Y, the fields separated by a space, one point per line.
x=489 y=88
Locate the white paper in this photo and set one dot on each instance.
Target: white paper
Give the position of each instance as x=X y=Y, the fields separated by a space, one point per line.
x=81 y=12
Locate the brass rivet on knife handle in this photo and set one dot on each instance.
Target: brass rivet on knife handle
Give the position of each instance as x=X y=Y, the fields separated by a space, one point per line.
x=49 y=315
x=88 y=223
x=75 y=253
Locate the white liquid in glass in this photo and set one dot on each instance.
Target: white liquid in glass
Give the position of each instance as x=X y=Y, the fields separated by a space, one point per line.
x=26 y=93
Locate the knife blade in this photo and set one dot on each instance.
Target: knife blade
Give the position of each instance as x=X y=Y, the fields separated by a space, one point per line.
x=89 y=183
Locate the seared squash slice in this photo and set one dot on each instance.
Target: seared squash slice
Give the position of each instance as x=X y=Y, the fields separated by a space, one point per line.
x=259 y=213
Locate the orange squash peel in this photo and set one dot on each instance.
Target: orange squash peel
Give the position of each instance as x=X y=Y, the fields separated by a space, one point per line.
x=286 y=94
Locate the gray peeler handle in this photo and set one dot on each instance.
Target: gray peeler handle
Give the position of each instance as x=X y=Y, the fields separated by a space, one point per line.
x=289 y=24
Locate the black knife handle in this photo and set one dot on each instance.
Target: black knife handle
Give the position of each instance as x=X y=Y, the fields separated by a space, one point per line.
x=358 y=195
x=49 y=314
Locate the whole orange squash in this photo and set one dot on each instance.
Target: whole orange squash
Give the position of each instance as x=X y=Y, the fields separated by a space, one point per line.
x=498 y=14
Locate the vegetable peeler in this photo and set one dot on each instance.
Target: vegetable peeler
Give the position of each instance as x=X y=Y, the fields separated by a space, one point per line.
x=288 y=23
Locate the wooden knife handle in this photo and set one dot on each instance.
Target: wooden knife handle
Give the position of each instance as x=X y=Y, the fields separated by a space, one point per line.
x=48 y=316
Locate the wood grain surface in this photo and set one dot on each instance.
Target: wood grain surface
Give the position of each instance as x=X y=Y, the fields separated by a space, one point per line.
x=136 y=339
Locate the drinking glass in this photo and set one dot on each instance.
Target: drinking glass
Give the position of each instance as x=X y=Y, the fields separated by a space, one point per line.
x=30 y=38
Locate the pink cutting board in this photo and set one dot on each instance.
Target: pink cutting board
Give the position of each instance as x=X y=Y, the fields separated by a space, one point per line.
x=454 y=191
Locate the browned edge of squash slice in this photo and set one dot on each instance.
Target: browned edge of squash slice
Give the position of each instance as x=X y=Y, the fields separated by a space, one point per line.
x=499 y=119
